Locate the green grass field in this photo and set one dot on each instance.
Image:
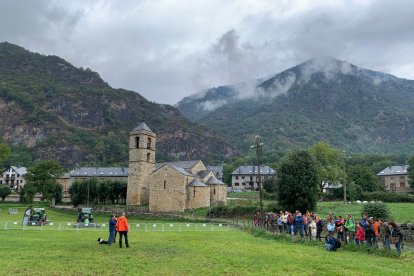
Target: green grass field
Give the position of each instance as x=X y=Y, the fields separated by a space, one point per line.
x=181 y=253
x=231 y=252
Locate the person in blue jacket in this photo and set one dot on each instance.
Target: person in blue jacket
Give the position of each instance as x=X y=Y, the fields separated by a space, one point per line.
x=112 y=225
x=331 y=243
x=299 y=224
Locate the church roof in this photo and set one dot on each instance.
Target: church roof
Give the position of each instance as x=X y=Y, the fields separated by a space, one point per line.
x=178 y=169
x=181 y=164
x=182 y=170
x=197 y=183
x=214 y=181
x=217 y=170
x=142 y=126
x=203 y=174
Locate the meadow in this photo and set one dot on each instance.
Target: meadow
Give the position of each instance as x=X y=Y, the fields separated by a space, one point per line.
x=400 y=212
x=232 y=252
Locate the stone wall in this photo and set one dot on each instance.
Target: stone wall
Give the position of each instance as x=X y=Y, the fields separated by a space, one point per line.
x=408 y=231
x=198 y=197
x=167 y=190
x=218 y=194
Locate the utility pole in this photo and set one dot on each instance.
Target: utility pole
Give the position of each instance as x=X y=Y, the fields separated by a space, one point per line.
x=344 y=184
x=259 y=183
x=87 y=199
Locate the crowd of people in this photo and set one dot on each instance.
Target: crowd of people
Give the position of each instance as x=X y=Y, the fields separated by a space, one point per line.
x=337 y=230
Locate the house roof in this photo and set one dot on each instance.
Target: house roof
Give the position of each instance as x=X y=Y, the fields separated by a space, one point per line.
x=142 y=126
x=248 y=170
x=214 y=181
x=328 y=185
x=20 y=170
x=197 y=183
x=394 y=170
x=100 y=172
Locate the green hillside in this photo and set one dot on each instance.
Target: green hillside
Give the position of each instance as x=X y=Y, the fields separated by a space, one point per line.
x=50 y=109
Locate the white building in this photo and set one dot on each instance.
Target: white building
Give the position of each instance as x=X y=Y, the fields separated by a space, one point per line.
x=246 y=177
x=14 y=177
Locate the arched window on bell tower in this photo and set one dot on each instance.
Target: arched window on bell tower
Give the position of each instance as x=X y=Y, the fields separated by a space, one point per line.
x=148 y=157
x=137 y=142
x=149 y=143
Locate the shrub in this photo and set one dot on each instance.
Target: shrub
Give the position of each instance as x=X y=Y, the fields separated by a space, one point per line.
x=387 y=197
x=232 y=211
x=376 y=210
x=4 y=191
x=272 y=207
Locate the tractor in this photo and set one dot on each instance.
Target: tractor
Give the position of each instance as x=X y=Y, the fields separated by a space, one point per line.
x=85 y=219
x=37 y=217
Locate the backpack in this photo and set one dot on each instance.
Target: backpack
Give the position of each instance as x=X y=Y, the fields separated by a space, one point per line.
x=337 y=243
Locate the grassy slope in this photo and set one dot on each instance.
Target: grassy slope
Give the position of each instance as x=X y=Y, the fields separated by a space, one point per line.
x=401 y=212
x=175 y=253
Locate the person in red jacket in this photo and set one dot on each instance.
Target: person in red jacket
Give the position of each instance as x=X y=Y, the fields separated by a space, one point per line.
x=360 y=234
x=122 y=227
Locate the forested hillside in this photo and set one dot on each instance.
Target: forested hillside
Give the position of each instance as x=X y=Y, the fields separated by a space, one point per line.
x=50 y=109
x=323 y=99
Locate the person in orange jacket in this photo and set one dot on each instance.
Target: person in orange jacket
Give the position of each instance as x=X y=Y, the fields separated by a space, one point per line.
x=122 y=227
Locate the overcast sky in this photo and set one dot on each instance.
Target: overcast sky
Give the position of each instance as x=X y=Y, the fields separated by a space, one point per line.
x=166 y=50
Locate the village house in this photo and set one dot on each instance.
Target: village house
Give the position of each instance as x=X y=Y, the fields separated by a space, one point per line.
x=245 y=178
x=172 y=186
x=395 y=179
x=14 y=177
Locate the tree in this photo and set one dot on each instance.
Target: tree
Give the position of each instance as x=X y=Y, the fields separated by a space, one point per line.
x=5 y=152
x=43 y=176
x=27 y=193
x=4 y=191
x=363 y=179
x=410 y=171
x=270 y=185
x=376 y=210
x=298 y=182
x=330 y=164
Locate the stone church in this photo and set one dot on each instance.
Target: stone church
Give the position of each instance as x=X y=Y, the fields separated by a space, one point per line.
x=168 y=187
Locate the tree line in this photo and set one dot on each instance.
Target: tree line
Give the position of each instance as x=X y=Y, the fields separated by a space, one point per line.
x=94 y=192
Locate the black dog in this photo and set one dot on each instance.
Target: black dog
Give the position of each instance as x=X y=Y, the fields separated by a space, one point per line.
x=101 y=241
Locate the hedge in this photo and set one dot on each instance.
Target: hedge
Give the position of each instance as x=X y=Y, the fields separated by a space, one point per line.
x=387 y=197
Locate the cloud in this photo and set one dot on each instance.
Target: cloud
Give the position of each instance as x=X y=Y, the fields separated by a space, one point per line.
x=211 y=105
x=167 y=50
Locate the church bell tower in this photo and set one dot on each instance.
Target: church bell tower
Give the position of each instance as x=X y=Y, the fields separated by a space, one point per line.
x=141 y=164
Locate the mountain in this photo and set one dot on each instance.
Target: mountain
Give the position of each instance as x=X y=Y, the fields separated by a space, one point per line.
x=322 y=99
x=54 y=110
